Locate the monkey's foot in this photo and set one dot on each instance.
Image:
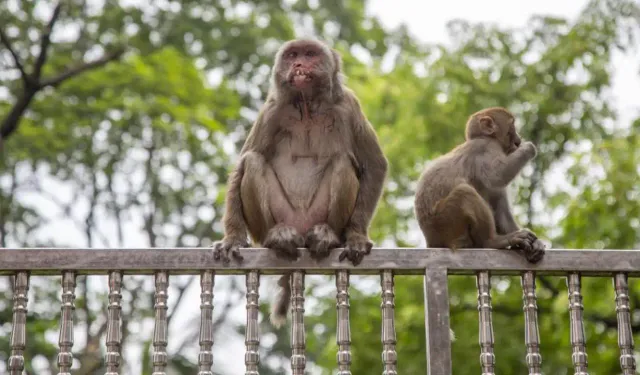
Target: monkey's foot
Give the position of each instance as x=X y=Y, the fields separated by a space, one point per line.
x=356 y=247
x=285 y=240
x=227 y=248
x=320 y=240
x=536 y=253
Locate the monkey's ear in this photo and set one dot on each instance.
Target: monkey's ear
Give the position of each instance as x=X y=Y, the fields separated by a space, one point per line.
x=487 y=125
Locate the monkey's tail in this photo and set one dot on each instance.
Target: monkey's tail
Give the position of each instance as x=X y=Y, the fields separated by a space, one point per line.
x=280 y=306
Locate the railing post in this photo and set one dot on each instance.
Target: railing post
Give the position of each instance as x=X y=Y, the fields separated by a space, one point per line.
x=65 y=340
x=19 y=326
x=578 y=340
x=161 y=324
x=298 y=344
x=114 y=320
x=343 y=334
x=531 y=335
x=436 y=311
x=205 y=357
x=389 y=355
x=252 y=334
x=625 y=335
x=487 y=358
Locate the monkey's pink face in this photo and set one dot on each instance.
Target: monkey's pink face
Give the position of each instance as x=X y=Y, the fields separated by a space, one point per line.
x=303 y=65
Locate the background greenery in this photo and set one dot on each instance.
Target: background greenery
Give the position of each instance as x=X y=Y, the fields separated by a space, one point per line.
x=135 y=148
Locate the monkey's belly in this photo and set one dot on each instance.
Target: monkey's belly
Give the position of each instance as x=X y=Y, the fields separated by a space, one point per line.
x=305 y=184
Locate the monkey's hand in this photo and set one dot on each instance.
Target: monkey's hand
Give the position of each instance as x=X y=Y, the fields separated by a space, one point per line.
x=320 y=240
x=356 y=247
x=285 y=240
x=229 y=246
x=531 y=246
x=537 y=251
x=529 y=149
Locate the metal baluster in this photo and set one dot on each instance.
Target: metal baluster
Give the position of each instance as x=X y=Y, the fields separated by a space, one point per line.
x=389 y=355
x=436 y=311
x=160 y=329
x=114 y=333
x=19 y=327
x=343 y=335
x=298 y=345
x=578 y=341
x=252 y=334
x=65 y=341
x=487 y=358
x=625 y=335
x=205 y=357
x=531 y=334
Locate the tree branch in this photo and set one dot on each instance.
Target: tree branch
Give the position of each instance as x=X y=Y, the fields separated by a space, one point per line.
x=16 y=59
x=73 y=71
x=45 y=41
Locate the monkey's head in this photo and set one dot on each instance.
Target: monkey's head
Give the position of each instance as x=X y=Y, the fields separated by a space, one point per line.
x=496 y=123
x=308 y=67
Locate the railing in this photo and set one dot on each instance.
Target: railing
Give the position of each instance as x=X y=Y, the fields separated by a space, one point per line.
x=434 y=264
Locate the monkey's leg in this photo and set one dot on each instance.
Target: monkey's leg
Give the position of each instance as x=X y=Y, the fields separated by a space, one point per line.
x=260 y=192
x=332 y=206
x=464 y=206
x=505 y=223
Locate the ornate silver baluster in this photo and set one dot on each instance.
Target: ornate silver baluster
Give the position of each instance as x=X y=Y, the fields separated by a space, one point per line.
x=205 y=357
x=114 y=333
x=65 y=357
x=160 y=329
x=578 y=341
x=298 y=345
x=19 y=328
x=625 y=335
x=531 y=334
x=389 y=355
x=252 y=334
x=343 y=335
x=487 y=358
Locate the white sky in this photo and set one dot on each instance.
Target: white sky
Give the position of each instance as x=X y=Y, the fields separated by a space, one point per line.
x=426 y=21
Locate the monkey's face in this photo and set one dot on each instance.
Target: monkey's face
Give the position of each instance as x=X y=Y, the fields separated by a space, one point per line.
x=511 y=139
x=305 y=65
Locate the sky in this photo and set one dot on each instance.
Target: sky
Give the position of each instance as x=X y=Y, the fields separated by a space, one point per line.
x=427 y=22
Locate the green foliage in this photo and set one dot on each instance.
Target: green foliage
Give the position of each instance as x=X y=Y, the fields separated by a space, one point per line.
x=137 y=152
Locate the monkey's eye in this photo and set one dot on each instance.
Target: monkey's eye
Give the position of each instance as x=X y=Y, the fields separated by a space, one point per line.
x=311 y=53
x=292 y=54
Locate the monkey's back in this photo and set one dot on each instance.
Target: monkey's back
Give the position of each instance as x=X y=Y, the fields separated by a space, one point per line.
x=446 y=172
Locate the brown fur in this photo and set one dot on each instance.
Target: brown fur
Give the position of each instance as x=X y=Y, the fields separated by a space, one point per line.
x=311 y=170
x=461 y=200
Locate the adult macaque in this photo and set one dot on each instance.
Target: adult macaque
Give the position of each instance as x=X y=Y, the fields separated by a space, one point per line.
x=311 y=170
x=461 y=200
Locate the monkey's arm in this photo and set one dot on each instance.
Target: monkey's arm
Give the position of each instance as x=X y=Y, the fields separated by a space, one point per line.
x=505 y=223
x=504 y=169
x=372 y=167
x=235 y=226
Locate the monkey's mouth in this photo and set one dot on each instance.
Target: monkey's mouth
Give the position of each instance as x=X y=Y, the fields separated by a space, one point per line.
x=301 y=77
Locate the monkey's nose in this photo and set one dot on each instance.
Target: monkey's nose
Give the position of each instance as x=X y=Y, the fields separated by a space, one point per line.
x=518 y=142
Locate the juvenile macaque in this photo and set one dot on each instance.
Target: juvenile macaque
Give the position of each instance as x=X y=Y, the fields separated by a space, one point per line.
x=461 y=199
x=311 y=170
